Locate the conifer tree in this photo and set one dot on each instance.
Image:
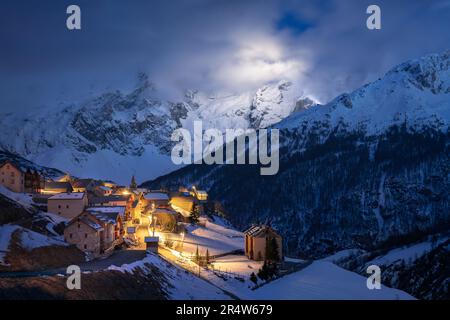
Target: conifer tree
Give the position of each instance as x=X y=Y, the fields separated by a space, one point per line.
x=207 y=257
x=195 y=214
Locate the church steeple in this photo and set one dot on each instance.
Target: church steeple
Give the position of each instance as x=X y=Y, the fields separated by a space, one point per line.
x=133 y=184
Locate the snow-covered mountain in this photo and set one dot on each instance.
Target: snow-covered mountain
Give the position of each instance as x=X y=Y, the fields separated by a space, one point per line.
x=415 y=93
x=369 y=167
x=119 y=134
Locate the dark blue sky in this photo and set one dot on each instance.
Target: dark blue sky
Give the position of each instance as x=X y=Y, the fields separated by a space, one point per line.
x=213 y=45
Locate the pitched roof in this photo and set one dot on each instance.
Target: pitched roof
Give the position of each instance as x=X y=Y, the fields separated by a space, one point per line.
x=107 y=210
x=164 y=211
x=84 y=183
x=68 y=196
x=89 y=221
x=110 y=198
x=107 y=217
x=14 y=164
x=156 y=196
x=259 y=230
x=57 y=185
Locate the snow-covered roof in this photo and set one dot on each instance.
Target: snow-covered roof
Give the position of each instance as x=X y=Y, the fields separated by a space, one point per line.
x=156 y=196
x=108 y=217
x=68 y=196
x=105 y=188
x=183 y=212
x=258 y=230
x=94 y=225
x=108 y=209
x=151 y=239
x=164 y=211
x=110 y=198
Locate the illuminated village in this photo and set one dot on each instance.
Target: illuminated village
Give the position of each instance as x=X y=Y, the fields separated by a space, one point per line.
x=184 y=227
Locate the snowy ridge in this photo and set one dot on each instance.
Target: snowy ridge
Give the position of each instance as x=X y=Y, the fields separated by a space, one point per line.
x=415 y=93
x=118 y=134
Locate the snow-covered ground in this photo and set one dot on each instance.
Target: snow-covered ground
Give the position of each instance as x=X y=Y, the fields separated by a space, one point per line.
x=324 y=280
x=238 y=264
x=29 y=240
x=342 y=255
x=5 y=237
x=24 y=199
x=214 y=237
x=407 y=253
x=182 y=284
x=321 y=280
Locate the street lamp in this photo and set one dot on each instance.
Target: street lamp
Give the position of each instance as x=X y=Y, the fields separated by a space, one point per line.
x=182 y=240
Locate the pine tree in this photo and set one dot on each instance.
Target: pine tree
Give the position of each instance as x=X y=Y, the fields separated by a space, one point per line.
x=197 y=256
x=272 y=253
x=207 y=257
x=133 y=184
x=253 y=278
x=195 y=214
x=263 y=273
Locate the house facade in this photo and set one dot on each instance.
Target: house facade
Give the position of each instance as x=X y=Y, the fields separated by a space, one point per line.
x=183 y=203
x=12 y=177
x=95 y=233
x=55 y=187
x=258 y=239
x=164 y=220
x=68 y=205
x=18 y=179
x=156 y=199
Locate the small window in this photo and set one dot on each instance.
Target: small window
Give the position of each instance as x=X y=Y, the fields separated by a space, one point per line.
x=59 y=206
x=67 y=206
x=70 y=236
x=85 y=246
x=85 y=235
x=79 y=226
